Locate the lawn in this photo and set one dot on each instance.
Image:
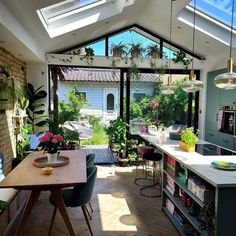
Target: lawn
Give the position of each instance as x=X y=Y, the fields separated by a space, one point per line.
x=99 y=136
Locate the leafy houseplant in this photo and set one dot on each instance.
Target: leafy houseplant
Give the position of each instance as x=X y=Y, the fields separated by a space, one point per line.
x=89 y=54
x=136 y=50
x=34 y=110
x=188 y=140
x=153 y=51
x=117 y=135
x=180 y=57
x=118 y=51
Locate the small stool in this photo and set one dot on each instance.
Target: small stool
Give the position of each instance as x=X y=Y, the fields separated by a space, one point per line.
x=141 y=151
x=155 y=158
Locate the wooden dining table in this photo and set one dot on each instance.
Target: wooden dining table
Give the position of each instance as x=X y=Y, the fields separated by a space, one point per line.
x=26 y=176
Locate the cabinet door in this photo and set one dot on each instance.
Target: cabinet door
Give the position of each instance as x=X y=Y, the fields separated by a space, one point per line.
x=226 y=140
x=227 y=97
x=212 y=101
x=211 y=136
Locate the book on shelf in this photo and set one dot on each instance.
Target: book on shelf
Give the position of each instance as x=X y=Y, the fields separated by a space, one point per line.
x=170 y=206
x=170 y=189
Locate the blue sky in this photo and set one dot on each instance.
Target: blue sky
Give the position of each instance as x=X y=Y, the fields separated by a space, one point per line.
x=218 y=9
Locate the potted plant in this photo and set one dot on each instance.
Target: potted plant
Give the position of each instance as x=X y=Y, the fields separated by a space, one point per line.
x=153 y=51
x=118 y=51
x=188 y=140
x=136 y=50
x=89 y=54
x=117 y=138
x=180 y=57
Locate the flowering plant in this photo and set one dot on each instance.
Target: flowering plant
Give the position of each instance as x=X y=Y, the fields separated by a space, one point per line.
x=51 y=141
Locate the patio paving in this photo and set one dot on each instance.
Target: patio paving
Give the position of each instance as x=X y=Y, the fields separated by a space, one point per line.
x=103 y=155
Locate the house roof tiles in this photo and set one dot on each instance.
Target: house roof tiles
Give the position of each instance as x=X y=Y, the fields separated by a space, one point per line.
x=100 y=75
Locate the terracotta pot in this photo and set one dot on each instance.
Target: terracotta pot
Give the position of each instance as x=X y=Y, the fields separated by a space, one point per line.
x=186 y=147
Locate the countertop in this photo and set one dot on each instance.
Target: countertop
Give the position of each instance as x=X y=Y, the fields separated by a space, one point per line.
x=199 y=164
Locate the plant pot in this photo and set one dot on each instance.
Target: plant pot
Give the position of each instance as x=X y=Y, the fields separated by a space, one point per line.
x=186 y=147
x=123 y=161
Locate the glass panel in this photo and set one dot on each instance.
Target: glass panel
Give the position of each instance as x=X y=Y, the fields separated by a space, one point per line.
x=110 y=102
x=129 y=37
x=64 y=7
x=155 y=108
x=217 y=9
x=98 y=48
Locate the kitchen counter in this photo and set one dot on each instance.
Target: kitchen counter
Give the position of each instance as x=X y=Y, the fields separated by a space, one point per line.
x=197 y=163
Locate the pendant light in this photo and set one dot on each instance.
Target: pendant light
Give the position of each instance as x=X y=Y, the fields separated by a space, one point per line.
x=228 y=80
x=192 y=85
x=169 y=88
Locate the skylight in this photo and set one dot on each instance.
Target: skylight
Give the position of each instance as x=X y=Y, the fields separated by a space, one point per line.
x=213 y=18
x=217 y=9
x=70 y=15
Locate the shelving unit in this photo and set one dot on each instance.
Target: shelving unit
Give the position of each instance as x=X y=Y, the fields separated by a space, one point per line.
x=178 y=203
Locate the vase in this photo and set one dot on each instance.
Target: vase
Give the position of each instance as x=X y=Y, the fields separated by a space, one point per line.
x=52 y=157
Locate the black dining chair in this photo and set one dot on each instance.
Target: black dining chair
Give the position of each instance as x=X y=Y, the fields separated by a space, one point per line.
x=77 y=196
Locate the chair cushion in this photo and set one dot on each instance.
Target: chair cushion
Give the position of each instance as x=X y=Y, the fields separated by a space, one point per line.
x=152 y=156
x=145 y=149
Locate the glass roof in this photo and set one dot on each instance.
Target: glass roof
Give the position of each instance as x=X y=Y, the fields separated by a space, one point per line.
x=64 y=7
x=217 y=9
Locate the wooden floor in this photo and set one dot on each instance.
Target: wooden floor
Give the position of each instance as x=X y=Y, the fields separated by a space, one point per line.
x=119 y=210
x=103 y=155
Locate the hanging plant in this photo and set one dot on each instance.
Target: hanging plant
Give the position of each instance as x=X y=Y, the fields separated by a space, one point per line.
x=134 y=72
x=180 y=57
x=89 y=54
x=118 y=51
x=136 y=50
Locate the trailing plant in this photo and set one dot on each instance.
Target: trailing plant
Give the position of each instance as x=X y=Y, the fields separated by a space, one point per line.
x=189 y=137
x=136 y=50
x=89 y=54
x=180 y=57
x=118 y=52
x=134 y=72
x=35 y=109
x=153 y=51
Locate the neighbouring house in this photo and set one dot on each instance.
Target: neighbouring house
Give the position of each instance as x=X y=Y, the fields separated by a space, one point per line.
x=101 y=89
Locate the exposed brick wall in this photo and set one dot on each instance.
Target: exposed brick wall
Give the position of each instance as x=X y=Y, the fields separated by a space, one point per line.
x=16 y=68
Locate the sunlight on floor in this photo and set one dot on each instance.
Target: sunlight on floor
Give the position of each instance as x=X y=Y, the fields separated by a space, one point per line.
x=111 y=217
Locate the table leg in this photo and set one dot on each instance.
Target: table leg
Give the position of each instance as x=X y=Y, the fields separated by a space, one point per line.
x=62 y=208
x=28 y=208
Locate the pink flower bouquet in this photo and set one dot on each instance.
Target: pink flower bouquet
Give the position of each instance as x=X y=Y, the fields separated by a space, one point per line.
x=51 y=142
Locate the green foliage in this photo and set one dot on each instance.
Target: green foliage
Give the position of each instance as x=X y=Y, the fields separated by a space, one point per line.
x=89 y=54
x=136 y=49
x=181 y=57
x=99 y=136
x=118 y=50
x=117 y=132
x=189 y=137
x=70 y=110
x=36 y=108
x=23 y=142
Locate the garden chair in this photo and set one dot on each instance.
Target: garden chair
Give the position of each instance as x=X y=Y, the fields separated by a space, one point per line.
x=80 y=195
